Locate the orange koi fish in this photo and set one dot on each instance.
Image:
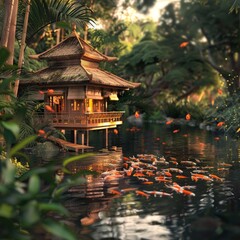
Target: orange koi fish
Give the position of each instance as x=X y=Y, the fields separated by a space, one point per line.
x=215 y=177
x=181 y=189
x=115 y=131
x=128 y=171
x=175 y=170
x=139 y=174
x=48 y=108
x=189 y=187
x=116 y=192
x=191 y=163
x=50 y=91
x=147 y=183
x=41 y=132
x=188 y=193
x=196 y=176
x=158 y=193
x=175 y=187
x=181 y=176
x=195 y=179
x=124 y=190
x=183 y=44
x=174 y=162
x=126 y=159
x=223 y=169
x=149 y=173
x=125 y=165
x=159 y=179
x=143 y=179
x=167 y=173
x=188 y=117
x=176 y=131
x=141 y=193
x=220 y=91
x=225 y=164
x=199 y=171
x=169 y=122
x=220 y=124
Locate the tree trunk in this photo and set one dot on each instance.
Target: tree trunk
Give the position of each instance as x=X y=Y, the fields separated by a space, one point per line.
x=6 y=22
x=12 y=33
x=22 y=48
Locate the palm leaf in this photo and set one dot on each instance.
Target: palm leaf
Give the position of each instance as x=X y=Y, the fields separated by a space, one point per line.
x=45 y=12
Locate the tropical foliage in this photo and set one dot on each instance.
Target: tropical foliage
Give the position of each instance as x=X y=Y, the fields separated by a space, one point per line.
x=26 y=204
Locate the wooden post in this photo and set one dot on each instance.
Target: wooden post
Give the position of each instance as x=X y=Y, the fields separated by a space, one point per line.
x=75 y=136
x=87 y=137
x=106 y=137
x=82 y=140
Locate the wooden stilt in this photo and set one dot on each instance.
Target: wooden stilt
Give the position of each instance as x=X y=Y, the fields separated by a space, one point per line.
x=87 y=137
x=75 y=136
x=82 y=141
x=106 y=137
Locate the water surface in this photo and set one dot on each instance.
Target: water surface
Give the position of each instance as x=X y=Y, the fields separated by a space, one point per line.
x=211 y=214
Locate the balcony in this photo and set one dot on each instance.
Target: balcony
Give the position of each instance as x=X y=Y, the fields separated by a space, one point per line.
x=87 y=121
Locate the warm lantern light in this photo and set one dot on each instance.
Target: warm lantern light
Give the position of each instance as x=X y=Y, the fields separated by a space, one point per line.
x=183 y=44
x=188 y=117
x=48 y=108
x=137 y=115
x=50 y=91
x=220 y=124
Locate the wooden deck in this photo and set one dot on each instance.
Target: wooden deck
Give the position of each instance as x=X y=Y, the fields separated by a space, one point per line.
x=88 y=121
x=70 y=146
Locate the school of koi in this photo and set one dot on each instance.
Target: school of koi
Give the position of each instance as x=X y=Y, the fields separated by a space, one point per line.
x=149 y=169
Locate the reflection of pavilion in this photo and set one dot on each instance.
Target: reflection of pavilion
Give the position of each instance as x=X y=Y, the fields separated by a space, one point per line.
x=96 y=186
x=88 y=202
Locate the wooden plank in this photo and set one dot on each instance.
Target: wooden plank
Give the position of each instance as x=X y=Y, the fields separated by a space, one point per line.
x=69 y=145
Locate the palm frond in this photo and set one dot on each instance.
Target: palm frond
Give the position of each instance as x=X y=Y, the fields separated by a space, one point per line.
x=45 y=12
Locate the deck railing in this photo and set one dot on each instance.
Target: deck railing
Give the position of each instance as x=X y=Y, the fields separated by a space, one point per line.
x=87 y=120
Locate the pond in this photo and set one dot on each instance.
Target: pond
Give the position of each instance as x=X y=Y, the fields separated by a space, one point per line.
x=184 y=185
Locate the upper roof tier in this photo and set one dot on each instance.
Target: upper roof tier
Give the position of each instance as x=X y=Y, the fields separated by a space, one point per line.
x=73 y=47
x=73 y=61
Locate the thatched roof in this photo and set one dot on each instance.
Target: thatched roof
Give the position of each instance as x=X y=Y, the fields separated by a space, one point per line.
x=78 y=74
x=75 y=61
x=73 y=47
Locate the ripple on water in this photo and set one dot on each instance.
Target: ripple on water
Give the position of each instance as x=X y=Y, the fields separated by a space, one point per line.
x=132 y=227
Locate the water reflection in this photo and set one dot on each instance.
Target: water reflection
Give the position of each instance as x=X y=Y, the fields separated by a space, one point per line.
x=101 y=213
